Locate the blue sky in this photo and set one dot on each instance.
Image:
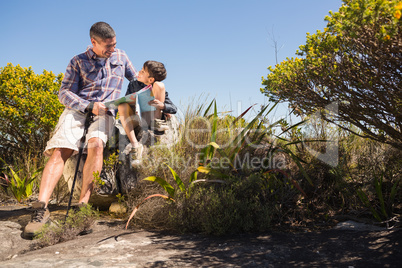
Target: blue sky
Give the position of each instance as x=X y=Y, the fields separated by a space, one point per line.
x=214 y=48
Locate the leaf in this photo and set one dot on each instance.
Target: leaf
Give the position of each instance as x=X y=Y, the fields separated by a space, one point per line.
x=209 y=107
x=240 y=138
x=293 y=126
x=378 y=188
x=178 y=180
x=303 y=171
x=203 y=180
x=211 y=150
x=164 y=184
x=393 y=191
x=221 y=152
x=363 y=197
x=203 y=169
x=242 y=114
x=210 y=171
x=193 y=176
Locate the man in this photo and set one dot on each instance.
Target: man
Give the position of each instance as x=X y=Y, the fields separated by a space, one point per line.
x=91 y=78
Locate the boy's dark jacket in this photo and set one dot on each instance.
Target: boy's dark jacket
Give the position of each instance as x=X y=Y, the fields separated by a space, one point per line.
x=135 y=86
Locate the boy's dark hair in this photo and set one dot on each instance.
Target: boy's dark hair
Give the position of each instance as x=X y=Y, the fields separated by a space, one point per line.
x=101 y=30
x=156 y=70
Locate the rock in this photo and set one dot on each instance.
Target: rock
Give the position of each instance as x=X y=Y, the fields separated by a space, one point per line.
x=117 y=208
x=11 y=242
x=121 y=178
x=357 y=226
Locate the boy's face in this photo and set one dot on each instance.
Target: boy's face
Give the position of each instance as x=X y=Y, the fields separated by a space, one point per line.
x=143 y=76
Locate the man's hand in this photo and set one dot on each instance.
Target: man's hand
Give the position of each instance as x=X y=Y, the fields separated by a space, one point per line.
x=157 y=104
x=99 y=108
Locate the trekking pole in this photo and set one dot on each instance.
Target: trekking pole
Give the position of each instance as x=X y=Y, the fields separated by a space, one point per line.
x=88 y=121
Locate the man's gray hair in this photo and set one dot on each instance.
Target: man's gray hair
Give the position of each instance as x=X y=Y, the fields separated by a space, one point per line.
x=101 y=30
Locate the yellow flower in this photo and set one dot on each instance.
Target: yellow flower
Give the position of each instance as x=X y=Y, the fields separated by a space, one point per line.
x=399 y=5
x=387 y=37
x=397 y=14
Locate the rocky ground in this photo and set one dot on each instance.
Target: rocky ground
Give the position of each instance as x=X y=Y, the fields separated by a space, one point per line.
x=348 y=244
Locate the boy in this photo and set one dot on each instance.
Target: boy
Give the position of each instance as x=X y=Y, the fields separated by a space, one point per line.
x=151 y=75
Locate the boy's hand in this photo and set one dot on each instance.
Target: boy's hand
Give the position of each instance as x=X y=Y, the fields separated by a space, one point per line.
x=99 y=108
x=157 y=104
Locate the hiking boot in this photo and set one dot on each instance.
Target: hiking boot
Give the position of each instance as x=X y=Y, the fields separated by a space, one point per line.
x=40 y=217
x=159 y=125
x=136 y=156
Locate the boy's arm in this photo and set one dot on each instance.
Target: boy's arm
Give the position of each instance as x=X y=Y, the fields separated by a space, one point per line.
x=167 y=107
x=158 y=89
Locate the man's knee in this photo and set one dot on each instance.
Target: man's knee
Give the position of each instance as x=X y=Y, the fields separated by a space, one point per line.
x=63 y=153
x=95 y=145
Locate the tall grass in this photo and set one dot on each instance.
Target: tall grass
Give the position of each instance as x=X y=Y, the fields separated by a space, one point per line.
x=233 y=152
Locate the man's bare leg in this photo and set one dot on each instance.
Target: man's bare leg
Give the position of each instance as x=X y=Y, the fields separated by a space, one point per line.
x=52 y=173
x=93 y=164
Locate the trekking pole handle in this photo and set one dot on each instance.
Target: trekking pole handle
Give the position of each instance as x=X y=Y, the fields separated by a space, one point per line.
x=89 y=117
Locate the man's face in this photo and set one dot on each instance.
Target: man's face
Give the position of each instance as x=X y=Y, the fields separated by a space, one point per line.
x=104 y=48
x=143 y=76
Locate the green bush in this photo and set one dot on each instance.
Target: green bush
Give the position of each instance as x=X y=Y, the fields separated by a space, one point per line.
x=304 y=191
x=355 y=62
x=77 y=222
x=29 y=110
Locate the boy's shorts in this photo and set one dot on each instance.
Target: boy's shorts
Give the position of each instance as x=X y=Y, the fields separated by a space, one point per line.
x=70 y=128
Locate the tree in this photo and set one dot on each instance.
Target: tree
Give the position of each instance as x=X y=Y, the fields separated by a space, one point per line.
x=29 y=110
x=357 y=63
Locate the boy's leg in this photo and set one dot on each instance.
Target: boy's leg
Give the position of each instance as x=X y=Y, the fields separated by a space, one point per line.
x=93 y=164
x=129 y=122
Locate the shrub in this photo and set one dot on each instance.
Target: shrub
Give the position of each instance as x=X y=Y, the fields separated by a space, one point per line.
x=355 y=62
x=29 y=110
x=77 y=222
x=250 y=204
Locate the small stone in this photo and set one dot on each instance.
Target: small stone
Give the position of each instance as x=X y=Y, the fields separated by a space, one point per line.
x=117 y=208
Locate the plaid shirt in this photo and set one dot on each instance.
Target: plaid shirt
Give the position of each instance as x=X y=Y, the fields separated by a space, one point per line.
x=87 y=80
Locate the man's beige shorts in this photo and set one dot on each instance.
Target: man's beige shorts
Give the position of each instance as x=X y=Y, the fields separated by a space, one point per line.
x=70 y=128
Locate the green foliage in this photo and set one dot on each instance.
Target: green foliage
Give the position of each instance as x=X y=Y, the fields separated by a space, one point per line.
x=77 y=222
x=29 y=110
x=247 y=198
x=218 y=165
x=111 y=163
x=382 y=207
x=250 y=135
x=356 y=62
x=21 y=188
x=98 y=182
